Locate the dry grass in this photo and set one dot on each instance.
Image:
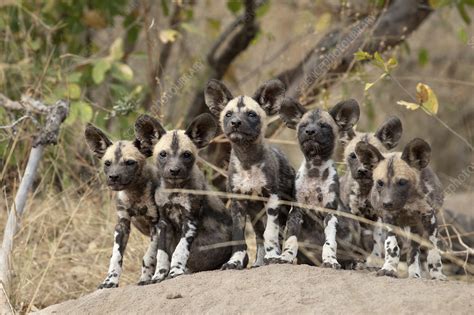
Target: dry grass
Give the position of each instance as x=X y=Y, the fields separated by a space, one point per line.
x=63 y=247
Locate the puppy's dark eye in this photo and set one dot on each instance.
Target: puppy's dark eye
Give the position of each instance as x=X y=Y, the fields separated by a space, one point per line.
x=187 y=155
x=163 y=154
x=402 y=182
x=380 y=183
x=353 y=156
x=228 y=114
x=130 y=162
x=252 y=114
x=107 y=163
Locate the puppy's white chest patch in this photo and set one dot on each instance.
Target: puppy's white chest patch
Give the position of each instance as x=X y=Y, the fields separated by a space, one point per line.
x=315 y=190
x=251 y=181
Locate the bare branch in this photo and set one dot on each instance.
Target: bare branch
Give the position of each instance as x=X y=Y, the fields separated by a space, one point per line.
x=232 y=41
x=394 y=24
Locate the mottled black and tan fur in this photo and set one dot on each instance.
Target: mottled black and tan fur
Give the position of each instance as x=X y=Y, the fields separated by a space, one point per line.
x=135 y=181
x=317 y=183
x=194 y=229
x=357 y=183
x=255 y=168
x=408 y=194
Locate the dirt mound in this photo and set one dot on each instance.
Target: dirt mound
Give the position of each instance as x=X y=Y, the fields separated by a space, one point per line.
x=278 y=289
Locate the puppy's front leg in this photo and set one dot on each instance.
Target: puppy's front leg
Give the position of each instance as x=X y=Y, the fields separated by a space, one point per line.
x=293 y=225
x=330 y=232
x=122 y=232
x=413 y=258
x=435 y=265
x=392 y=252
x=181 y=253
x=239 y=257
x=149 y=259
x=272 y=230
x=163 y=254
x=373 y=261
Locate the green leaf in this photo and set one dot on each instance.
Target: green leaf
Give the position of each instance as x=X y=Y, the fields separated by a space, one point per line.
x=190 y=28
x=234 y=5
x=323 y=22
x=165 y=7
x=35 y=44
x=469 y=2
x=463 y=13
x=79 y=110
x=391 y=64
x=116 y=49
x=100 y=69
x=214 y=24
x=73 y=91
x=123 y=71
x=74 y=77
x=462 y=35
x=262 y=9
x=423 y=57
x=168 y=35
x=378 y=61
x=362 y=55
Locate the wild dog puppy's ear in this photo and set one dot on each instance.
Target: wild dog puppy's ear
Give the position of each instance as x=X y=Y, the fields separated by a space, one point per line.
x=216 y=96
x=291 y=112
x=268 y=96
x=390 y=132
x=417 y=153
x=202 y=130
x=368 y=155
x=346 y=114
x=148 y=131
x=96 y=140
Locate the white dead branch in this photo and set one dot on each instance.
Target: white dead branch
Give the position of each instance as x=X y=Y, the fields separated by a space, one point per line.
x=55 y=115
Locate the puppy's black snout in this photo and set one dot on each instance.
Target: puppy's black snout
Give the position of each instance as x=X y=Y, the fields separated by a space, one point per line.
x=362 y=172
x=235 y=123
x=113 y=178
x=388 y=205
x=310 y=131
x=174 y=171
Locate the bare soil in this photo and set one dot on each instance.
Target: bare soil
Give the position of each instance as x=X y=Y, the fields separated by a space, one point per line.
x=278 y=289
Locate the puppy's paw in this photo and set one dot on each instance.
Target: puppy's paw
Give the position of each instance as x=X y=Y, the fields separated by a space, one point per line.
x=331 y=263
x=438 y=276
x=111 y=281
x=145 y=282
x=232 y=265
x=107 y=285
x=387 y=273
x=159 y=276
x=176 y=272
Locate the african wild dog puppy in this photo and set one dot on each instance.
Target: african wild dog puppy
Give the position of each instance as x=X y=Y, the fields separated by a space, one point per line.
x=406 y=193
x=255 y=168
x=135 y=181
x=317 y=182
x=188 y=222
x=357 y=183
